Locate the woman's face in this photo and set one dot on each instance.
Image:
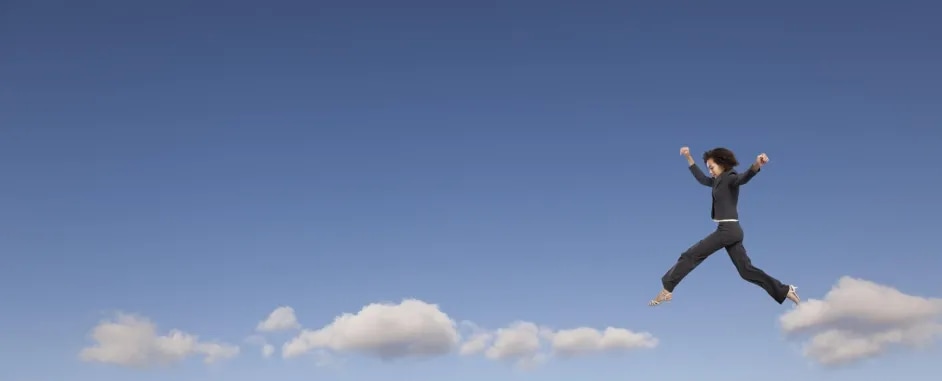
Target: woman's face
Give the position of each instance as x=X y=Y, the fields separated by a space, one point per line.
x=715 y=169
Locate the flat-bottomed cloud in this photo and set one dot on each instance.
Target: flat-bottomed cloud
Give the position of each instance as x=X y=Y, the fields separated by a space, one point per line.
x=132 y=341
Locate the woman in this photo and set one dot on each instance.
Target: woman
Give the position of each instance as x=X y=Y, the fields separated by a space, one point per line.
x=729 y=235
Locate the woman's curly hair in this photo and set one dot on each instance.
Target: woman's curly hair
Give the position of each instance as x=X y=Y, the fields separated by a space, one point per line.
x=721 y=156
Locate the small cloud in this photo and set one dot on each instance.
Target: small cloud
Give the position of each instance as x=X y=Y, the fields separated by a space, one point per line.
x=268 y=350
x=584 y=340
x=281 y=319
x=132 y=341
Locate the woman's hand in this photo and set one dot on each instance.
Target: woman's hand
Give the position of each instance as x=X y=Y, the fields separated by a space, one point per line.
x=762 y=159
x=685 y=151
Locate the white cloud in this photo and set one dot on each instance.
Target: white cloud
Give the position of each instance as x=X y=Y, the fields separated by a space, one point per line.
x=130 y=340
x=281 y=319
x=414 y=328
x=520 y=343
x=584 y=340
x=388 y=331
x=523 y=343
x=268 y=350
x=859 y=319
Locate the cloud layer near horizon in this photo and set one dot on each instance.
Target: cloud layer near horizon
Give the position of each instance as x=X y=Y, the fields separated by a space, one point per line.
x=386 y=331
x=856 y=320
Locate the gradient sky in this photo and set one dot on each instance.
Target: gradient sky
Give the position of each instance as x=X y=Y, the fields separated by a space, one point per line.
x=202 y=163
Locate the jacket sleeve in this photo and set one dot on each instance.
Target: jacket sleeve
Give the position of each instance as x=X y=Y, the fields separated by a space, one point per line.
x=743 y=178
x=701 y=178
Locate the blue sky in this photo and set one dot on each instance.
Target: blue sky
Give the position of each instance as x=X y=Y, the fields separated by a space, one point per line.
x=199 y=165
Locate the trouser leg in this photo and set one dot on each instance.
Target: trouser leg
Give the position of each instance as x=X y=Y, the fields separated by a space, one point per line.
x=754 y=275
x=692 y=257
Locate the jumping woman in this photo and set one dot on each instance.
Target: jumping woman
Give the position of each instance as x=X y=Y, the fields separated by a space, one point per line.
x=728 y=234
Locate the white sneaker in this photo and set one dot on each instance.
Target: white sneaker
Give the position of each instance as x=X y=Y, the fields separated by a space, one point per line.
x=793 y=295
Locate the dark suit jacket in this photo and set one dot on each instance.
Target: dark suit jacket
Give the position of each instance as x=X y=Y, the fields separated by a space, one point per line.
x=725 y=190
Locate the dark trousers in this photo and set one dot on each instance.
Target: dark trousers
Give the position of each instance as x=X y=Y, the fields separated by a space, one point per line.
x=728 y=235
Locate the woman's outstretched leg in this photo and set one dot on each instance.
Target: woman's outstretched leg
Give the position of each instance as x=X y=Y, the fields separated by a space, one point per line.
x=776 y=289
x=689 y=260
